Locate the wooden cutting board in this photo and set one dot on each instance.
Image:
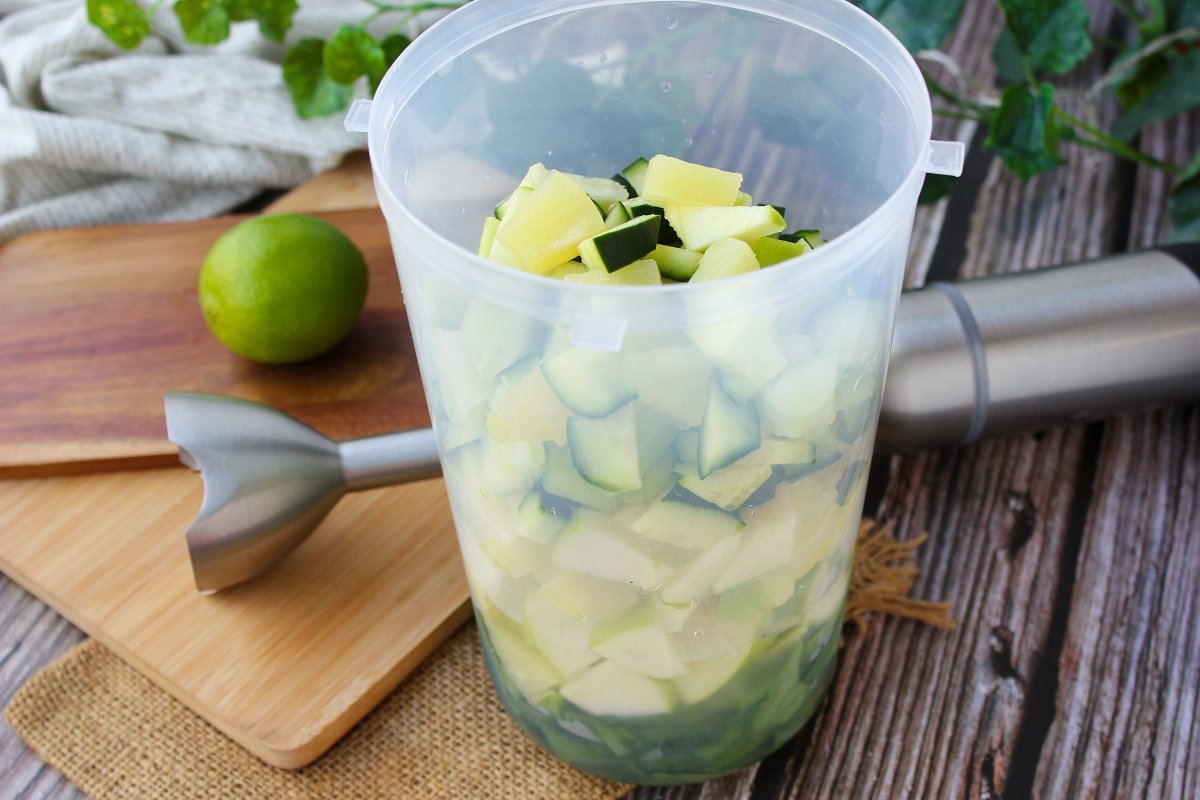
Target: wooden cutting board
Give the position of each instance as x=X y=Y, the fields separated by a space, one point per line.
x=96 y=324
x=287 y=663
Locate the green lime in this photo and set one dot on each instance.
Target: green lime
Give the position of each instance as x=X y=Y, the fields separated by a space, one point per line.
x=282 y=288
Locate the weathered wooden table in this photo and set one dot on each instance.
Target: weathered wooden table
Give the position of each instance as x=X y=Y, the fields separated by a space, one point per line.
x=1072 y=556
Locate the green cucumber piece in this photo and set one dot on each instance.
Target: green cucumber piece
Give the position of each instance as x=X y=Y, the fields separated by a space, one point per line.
x=728 y=432
x=728 y=488
x=801 y=397
x=638 y=207
x=639 y=616
x=767 y=542
x=542 y=516
x=589 y=382
x=855 y=401
x=460 y=390
x=622 y=245
x=496 y=338
x=633 y=176
x=704 y=678
x=812 y=237
x=675 y=262
x=611 y=690
x=605 y=450
x=850 y=480
x=503 y=469
x=647 y=651
x=528 y=670
x=771 y=251
x=561 y=479
x=525 y=409
x=686 y=525
x=754 y=597
x=693 y=580
x=588 y=598
x=594 y=545
x=704 y=637
x=854 y=331
x=725 y=258
x=673 y=380
x=825 y=453
x=617 y=215
x=745 y=352
x=560 y=637
x=700 y=226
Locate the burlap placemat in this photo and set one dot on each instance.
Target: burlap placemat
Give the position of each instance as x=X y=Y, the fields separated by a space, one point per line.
x=442 y=735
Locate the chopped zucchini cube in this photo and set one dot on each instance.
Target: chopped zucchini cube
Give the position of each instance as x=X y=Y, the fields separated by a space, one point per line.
x=770 y=251
x=675 y=262
x=633 y=176
x=620 y=246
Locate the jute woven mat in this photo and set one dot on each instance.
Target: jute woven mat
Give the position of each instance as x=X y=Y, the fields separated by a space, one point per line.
x=442 y=735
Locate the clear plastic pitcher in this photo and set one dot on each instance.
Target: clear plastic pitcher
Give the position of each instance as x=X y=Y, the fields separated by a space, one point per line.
x=656 y=489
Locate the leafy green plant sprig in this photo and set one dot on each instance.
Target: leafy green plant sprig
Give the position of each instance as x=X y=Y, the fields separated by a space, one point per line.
x=1154 y=77
x=320 y=74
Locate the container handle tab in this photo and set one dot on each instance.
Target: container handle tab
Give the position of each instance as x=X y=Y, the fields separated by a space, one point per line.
x=590 y=332
x=358 y=116
x=941 y=158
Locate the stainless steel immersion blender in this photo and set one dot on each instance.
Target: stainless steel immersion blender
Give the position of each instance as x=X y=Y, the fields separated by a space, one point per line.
x=971 y=358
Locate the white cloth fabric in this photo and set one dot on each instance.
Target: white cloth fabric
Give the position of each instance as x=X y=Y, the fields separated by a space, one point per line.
x=91 y=134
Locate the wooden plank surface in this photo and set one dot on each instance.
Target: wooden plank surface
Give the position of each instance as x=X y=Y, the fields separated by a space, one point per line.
x=98 y=323
x=1071 y=557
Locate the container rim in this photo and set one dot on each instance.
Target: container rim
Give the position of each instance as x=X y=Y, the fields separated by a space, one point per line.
x=482 y=19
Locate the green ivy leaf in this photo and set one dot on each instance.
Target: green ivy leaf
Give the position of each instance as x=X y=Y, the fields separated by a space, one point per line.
x=1142 y=81
x=1184 y=204
x=392 y=46
x=242 y=10
x=122 y=21
x=313 y=93
x=274 y=17
x=1178 y=92
x=935 y=188
x=1007 y=58
x=1053 y=34
x=203 y=21
x=352 y=53
x=1023 y=131
x=1179 y=14
x=918 y=24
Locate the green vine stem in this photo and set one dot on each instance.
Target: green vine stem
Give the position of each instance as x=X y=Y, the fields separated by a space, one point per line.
x=1102 y=141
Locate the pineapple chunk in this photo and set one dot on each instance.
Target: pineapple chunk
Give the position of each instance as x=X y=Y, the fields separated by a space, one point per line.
x=672 y=182
x=545 y=229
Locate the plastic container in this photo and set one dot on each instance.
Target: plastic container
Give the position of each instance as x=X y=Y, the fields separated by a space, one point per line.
x=641 y=622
